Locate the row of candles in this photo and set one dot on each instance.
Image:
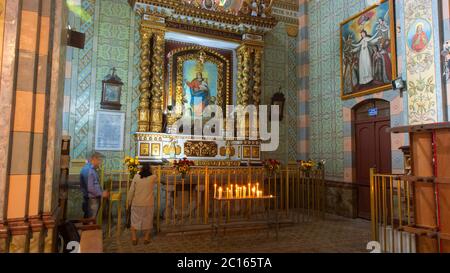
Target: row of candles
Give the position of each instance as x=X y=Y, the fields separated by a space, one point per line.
x=251 y=191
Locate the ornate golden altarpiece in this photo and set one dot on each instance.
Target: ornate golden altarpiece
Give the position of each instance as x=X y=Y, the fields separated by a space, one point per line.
x=243 y=22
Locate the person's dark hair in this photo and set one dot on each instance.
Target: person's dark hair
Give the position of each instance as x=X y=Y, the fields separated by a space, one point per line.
x=146 y=171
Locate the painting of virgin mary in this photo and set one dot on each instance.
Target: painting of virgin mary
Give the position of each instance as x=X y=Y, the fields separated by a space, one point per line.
x=200 y=85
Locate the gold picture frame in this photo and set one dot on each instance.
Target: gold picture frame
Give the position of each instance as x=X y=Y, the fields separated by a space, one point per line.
x=156 y=149
x=144 y=149
x=246 y=152
x=377 y=73
x=255 y=152
x=178 y=56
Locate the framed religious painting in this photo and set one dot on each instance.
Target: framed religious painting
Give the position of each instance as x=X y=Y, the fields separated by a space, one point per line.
x=111 y=91
x=200 y=77
x=368 y=51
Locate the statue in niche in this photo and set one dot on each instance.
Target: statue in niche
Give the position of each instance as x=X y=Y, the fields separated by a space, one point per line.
x=254 y=8
x=262 y=8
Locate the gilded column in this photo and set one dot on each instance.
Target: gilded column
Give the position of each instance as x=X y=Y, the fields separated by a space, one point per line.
x=157 y=93
x=244 y=53
x=144 y=88
x=245 y=91
x=257 y=76
x=257 y=71
x=240 y=59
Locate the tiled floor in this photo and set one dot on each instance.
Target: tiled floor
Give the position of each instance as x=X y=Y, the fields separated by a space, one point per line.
x=332 y=235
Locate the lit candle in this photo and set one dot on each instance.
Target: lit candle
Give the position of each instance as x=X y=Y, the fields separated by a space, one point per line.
x=249 y=188
x=215 y=189
x=237 y=191
x=257 y=187
x=228 y=192
x=253 y=191
x=244 y=191
x=220 y=192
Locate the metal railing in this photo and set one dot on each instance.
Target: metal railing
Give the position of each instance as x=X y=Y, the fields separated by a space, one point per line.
x=391 y=212
x=187 y=203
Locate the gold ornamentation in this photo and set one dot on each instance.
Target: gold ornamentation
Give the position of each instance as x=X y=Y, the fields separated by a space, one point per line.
x=257 y=77
x=225 y=151
x=246 y=53
x=144 y=149
x=255 y=152
x=217 y=163
x=170 y=149
x=246 y=151
x=223 y=87
x=200 y=149
x=157 y=81
x=244 y=93
x=235 y=24
x=144 y=88
x=292 y=30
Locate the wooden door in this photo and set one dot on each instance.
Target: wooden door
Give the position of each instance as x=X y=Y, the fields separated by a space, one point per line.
x=373 y=148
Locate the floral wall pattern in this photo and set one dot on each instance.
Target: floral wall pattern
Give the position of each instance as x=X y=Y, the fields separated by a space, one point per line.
x=421 y=73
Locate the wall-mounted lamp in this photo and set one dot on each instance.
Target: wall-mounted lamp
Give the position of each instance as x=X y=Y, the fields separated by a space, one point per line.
x=74 y=38
x=399 y=84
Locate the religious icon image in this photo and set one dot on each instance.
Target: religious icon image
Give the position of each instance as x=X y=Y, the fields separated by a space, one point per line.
x=111 y=91
x=200 y=83
x=368 y=51
x=446 y=55
x=419 y=35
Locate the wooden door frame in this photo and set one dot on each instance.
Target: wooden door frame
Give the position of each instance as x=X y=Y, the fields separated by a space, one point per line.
x=355 y=122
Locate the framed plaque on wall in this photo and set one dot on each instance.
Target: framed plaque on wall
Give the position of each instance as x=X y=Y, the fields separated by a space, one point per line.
x=109 y=131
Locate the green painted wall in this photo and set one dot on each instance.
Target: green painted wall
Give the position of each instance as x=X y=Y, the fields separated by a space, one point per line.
x=112 y=40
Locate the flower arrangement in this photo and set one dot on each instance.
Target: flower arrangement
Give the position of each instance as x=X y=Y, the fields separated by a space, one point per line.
x=183 y=166
x=321 y=164
x=307 y=165
x=272 y=166
x=132 y=165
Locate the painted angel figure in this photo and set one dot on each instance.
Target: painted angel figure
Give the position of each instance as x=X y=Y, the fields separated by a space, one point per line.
x=382 y=28
x=365 y=59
